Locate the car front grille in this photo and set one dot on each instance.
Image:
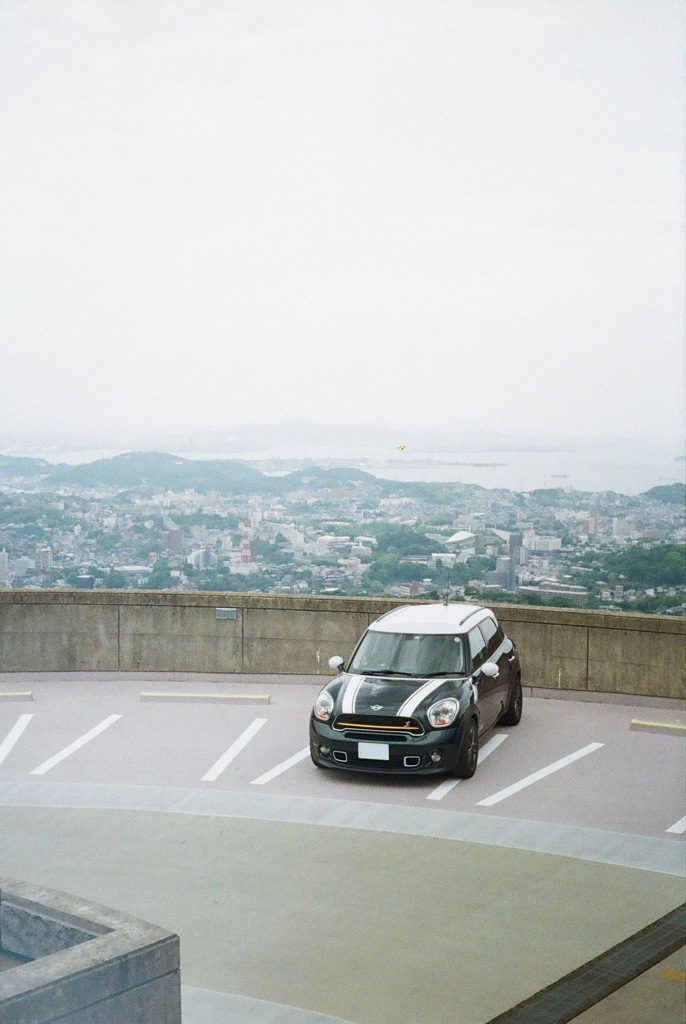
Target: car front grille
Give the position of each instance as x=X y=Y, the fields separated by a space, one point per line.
x=390 y=726
x=398 y=760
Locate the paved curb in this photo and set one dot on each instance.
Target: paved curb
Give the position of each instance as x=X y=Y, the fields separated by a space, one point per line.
x=660 y=856
x=600 y=977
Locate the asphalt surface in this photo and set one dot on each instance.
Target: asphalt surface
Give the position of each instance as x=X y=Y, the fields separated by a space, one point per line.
x=311 y=896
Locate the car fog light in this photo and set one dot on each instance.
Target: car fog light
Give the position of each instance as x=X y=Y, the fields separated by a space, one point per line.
x=436 y=757
x=324 y=750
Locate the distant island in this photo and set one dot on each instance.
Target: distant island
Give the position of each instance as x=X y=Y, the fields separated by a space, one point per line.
x=492 y=460
x=132 y=470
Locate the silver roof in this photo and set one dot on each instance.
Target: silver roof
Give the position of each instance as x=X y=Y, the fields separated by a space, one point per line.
x=430 y=618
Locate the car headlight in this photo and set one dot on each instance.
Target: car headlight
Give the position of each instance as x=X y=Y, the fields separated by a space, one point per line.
x=443 y=713
x=323 y=706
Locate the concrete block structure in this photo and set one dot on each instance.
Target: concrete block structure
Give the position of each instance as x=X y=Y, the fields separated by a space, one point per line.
x=83 y=963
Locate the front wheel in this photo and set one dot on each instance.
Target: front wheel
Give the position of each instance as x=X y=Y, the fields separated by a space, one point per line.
x=469 y=752
x=513 y=711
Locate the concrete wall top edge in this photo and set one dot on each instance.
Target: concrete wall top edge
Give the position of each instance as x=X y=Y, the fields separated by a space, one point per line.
x=371 y=606
x=99 y=920
x=588 y=617
x=90 y=928
x=207 y=599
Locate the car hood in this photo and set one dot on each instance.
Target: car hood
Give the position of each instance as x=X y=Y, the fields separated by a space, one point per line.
x=378 y=695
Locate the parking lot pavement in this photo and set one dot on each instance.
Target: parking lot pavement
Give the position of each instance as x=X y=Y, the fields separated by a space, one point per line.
x=320 y=916
x=374 y=901
x=579 y=764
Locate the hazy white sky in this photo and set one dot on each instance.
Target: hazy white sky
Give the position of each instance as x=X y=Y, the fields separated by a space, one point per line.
x=457 y=213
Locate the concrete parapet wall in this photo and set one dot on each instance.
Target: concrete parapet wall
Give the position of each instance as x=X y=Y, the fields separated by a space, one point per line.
x=599 y=652
x=144 y=631
x=87 y=964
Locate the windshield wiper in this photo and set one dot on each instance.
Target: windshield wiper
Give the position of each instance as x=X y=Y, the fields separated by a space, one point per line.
x=383 y=672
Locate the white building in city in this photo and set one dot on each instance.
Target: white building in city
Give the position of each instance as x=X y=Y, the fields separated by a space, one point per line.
x=542 y=545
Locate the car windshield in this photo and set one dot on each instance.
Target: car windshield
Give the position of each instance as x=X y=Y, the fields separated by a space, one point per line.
x=408 y=654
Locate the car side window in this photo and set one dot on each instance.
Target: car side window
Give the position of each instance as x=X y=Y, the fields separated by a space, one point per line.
x=490 y=631
x=477 y=647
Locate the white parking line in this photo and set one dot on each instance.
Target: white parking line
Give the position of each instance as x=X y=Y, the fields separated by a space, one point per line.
x=76 y=745
x=235 y=749
x=679 y=827
x=283 y=767
x=488 y=748
x=13 y=735
x=537 y=776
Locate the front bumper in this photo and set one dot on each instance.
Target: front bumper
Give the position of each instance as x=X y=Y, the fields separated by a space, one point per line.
x=435 y=752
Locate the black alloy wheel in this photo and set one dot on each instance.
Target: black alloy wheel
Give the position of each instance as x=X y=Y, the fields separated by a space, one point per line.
x=469 y=752
x=513 y=711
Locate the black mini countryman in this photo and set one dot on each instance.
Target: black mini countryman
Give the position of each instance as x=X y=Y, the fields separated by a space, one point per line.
x=424 y=683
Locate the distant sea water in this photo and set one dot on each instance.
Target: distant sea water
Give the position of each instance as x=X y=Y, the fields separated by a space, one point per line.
x=624 y=466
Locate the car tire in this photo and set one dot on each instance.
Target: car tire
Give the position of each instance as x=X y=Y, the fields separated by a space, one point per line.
x=469 y=752
x=513 y=712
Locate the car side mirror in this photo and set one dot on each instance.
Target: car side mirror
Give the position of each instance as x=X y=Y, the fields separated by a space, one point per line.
x=335 y=662
x=490 y=669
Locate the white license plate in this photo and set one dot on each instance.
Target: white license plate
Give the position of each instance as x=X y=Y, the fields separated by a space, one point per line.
x=373 y=751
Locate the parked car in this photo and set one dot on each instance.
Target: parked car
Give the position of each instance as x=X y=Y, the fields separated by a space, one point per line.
x=424 y=683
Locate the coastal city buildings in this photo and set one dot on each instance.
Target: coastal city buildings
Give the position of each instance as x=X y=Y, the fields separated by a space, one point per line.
x=342 y=532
